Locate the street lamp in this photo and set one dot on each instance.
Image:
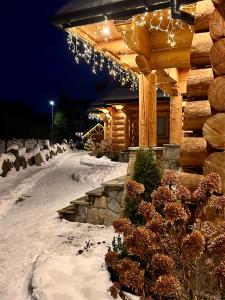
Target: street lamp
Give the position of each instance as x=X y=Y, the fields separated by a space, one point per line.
x=52 y=103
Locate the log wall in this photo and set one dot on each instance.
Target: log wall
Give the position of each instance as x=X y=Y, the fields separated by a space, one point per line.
x=214 y=127
x=194 y=149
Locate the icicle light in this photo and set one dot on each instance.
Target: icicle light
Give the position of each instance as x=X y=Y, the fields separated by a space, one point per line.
x=82 y=50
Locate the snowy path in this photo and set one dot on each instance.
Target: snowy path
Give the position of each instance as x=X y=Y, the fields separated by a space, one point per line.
x=31 y=228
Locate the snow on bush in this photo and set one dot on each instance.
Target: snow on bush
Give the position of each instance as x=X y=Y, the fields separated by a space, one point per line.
x=12 y=147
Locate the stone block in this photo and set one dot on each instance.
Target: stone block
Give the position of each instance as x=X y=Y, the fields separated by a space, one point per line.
x=83 y=213
x=101 y=215
x=93 y=216
x=114 y=206
x=109 y=217
x=100 y=202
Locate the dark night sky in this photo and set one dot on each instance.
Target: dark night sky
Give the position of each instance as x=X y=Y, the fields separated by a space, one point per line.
x=35 y=62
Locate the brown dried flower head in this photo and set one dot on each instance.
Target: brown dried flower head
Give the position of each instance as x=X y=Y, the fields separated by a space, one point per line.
x=170 y=179
x=141 y=241
x=122 y=226
x=221 y=227
x=175 y=212
x=220 y=273
x=111 y=258
x=183 y=194
x=217 y=202
x=193 y=246
x=134 y=189
x=217 y=245
x=199 y=194
x=208 y=229
x=130 y=274
x=115 y=289
x=156 y=225
x=162 y=264
x=148 y=211
x=161 y=196
x=167 y=286
x=211 y=183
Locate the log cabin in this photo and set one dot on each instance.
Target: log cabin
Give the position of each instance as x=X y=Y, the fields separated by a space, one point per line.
x=177 y=46
x=119 y=110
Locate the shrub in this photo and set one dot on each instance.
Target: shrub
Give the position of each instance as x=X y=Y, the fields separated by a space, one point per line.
x=175 y=255
x=147 y=172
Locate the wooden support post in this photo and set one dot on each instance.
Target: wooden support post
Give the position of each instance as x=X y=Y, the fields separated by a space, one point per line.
x=126 y=129
x=147 y=111
x=176 y=115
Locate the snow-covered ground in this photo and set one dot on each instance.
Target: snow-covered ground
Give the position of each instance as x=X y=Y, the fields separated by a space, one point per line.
x=38 y=252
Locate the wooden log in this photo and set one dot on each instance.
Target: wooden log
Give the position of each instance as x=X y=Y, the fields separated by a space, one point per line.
x=175 y=120
x=217 y=25
x=164 y=59
x=216 y=163
x=214 y=131
x=198 y=83
x=220 y=5
x=193 y=151
x=147 y=111
x=203 y=12
x=189 y=180
x=176 y=114
x=195 y=114
x=216 y=94
x=217 y=57
x=200 y=48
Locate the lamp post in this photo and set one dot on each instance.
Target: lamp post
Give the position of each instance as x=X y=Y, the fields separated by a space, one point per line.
x=52 y=103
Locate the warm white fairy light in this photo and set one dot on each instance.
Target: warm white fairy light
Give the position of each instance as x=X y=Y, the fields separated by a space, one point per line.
x=95 y=117
x=82 y=50
x=158 y=20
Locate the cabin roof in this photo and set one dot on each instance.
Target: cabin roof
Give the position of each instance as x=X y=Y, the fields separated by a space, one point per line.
x=83 y=12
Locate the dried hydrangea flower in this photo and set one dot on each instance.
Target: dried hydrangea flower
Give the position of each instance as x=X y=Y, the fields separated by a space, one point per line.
x=221 y=227
x=170 y=179
x=148 y=211
x=134 y=189
x=141 y=242
x=111 y=258
x=156 y=225
x=161 y=196
x=208 y=229
x=162 y=264
x=175 y=212
x=122 y=226
x=115 y=289
x=167 y=286
x=183 y=194
x=217 y=245
x=220 y=273
x=199 y=194
x=193 y=246
x=130 y=274
x=211 y=183
x=217 y=202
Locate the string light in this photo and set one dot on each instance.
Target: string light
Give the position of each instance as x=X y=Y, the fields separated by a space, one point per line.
x=82 y=50
x=95 y=117
x=161 y=20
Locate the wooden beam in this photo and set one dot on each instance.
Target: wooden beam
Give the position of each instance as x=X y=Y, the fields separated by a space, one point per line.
x=143 y=64
x=176 y=114
x=117 y=47
x=147 y=111
x=171 y=58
